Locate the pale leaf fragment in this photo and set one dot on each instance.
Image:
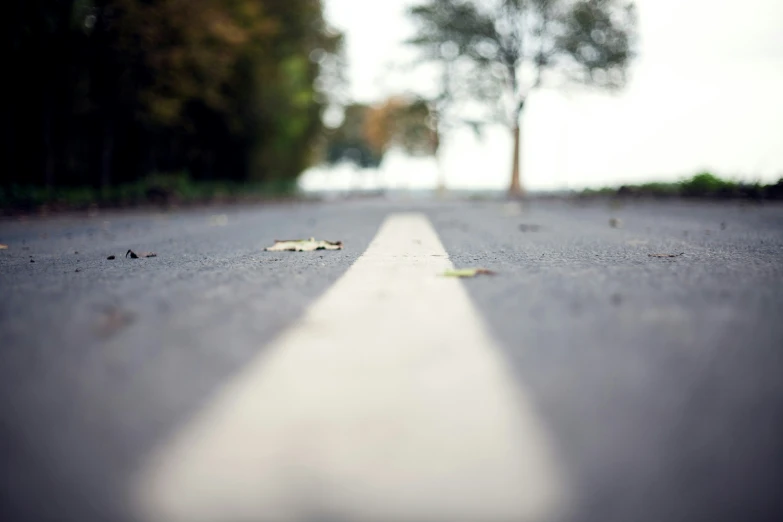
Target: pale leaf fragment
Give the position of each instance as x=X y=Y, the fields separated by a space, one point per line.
x=303 y=245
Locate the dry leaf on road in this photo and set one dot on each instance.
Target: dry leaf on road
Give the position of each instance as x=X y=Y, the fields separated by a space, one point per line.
x=468 y=272
x=3 y=247
x=134 y=255
x=303 y=245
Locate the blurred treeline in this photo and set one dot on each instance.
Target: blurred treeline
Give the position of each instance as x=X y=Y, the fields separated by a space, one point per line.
x=369 y=131
x=103 y=93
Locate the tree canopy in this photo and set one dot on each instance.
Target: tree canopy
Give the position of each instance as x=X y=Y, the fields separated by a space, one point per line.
x=368 y=132
x=108 y=91
x=501 y=50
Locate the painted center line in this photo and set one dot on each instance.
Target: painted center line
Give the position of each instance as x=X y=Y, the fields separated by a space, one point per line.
x=387 y=402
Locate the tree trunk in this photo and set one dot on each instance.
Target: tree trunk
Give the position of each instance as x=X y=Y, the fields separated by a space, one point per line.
x=515 y=190
x=441 y=188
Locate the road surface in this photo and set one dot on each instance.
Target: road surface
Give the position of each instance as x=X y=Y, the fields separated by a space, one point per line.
x=586 y=381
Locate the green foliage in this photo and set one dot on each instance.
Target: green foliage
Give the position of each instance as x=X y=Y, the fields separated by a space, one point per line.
x=413 y=130
x=349 y=142
x=701 y=185
x=658 y=188
x=603 y=191
x=157 y=188
x=118 y=89
x=367 y=132
x=404 y=122
x=496 y=52
x=706 y=183
x=516 y=44
x=596 y=36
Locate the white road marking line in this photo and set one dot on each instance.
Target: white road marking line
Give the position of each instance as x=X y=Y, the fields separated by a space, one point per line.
x=386 y=402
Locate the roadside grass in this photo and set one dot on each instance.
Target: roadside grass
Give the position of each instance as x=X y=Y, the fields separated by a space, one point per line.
x=704 y=185
x=167 y=189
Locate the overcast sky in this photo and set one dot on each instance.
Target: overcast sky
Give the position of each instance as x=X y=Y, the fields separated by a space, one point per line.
x=706 y=92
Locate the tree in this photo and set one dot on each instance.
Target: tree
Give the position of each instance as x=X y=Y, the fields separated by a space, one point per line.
x=245 y=66
x=403 y=122
x=348 y=142
x=116 y=90
x=368 y=132
x=508 y=48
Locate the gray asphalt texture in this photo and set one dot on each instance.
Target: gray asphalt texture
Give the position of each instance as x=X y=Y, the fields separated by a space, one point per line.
x=660 y=379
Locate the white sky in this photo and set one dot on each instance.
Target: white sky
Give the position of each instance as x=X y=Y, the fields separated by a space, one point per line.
x=706 y=92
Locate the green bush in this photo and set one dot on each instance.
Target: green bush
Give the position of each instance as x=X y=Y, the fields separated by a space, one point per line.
x=707 y=184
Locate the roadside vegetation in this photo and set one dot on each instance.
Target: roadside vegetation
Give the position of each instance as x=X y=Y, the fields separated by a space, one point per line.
x=109 y=101
x=157 y=189
x=703 y=185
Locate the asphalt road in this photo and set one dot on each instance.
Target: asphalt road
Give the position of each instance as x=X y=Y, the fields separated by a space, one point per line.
x=659 y=379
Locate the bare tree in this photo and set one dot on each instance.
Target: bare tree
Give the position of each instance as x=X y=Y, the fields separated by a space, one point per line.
x=508 y=48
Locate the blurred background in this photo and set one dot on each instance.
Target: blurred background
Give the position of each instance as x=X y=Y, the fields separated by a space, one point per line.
x=120 y=102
